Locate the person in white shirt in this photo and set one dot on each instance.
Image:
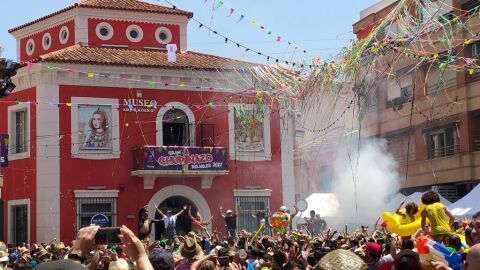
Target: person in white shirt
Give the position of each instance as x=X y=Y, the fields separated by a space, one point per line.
x=170 y=222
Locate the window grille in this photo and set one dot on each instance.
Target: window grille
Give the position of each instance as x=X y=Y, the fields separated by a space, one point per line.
x=88 y=207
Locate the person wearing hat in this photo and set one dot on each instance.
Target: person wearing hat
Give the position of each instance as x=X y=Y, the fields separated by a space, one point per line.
x=161 y=259
x=170 y=221
x=3 y=259
x=230 y=221
x=191 y=251
x=373 y=252
x=340 y=259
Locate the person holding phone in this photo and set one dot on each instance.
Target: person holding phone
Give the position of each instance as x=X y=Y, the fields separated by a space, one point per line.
x=170 y=221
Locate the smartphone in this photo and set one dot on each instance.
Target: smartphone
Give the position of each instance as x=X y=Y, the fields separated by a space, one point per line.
x=107 y=236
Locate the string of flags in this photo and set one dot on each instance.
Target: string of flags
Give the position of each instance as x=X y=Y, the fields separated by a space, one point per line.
x=241 y=17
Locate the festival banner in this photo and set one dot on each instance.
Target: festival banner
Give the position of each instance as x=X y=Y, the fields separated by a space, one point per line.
x=185 y=159
x=3 y=150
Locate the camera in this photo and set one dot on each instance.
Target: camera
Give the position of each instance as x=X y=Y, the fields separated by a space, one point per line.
x=107 y=236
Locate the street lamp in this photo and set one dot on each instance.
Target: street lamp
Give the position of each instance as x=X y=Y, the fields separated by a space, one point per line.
x=8 y=69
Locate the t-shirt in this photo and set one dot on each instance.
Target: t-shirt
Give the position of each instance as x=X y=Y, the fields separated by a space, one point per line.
x=169 y=221
x=183 y=266
x=231 y=222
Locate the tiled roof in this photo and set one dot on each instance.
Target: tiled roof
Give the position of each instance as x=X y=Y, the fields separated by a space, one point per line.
x=78 y=54
x=127 y=5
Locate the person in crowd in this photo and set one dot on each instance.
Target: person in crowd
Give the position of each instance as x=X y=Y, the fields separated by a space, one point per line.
x=438 y=215
x=170 y=222
x=145 y=223
x=473 y=258
x=475 y=234
x=373 y=253
x=230 y=221
x=198 y=224
x=312 y=222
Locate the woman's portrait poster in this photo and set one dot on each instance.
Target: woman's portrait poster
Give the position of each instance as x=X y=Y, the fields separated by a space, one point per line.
x=95 y=127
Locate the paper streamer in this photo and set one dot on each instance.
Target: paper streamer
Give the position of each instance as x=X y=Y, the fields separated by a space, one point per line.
x=218 y=5
x=232 y=10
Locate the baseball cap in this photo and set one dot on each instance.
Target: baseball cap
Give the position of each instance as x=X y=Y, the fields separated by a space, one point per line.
x=373 y=248
x=161 y=259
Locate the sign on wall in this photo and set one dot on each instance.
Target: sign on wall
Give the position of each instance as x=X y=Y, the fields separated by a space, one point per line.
x=3 y=150
x=100 y=220
x=177 y=158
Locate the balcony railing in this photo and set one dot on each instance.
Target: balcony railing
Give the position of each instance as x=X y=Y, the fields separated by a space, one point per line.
x=449 y=150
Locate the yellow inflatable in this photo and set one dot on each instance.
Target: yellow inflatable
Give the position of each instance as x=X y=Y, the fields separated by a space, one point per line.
x=395 y=223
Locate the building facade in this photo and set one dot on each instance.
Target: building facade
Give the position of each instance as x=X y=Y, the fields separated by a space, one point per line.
x=435 y=141
x=101 y=122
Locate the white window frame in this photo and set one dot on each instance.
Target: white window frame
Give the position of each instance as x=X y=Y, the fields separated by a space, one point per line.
x=180 y=106
x=240 y=194
x=45 y=46
x=106 y=25
x=91 y=194
x=136 y=28
x=95 y=154
x=12 y=155
x=27 y=47
x=60 y=36
x=264 y=155
x=436 y=133
x=167 y=32
x=12 y=203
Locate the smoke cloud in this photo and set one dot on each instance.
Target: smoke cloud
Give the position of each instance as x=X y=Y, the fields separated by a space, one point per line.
x=365 y=180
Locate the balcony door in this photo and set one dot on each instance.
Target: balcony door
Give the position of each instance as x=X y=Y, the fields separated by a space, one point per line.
x=176 y=128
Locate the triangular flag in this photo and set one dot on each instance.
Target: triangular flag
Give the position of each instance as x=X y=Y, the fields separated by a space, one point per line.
x=241 y=18
x=231 y=12
x=218 y=5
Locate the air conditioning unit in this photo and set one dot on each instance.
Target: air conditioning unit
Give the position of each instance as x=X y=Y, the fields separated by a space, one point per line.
x=476 y=50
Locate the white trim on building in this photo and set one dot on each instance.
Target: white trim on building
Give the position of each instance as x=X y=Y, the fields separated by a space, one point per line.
x=177 y=105
x=12 y=110
x=10 y=220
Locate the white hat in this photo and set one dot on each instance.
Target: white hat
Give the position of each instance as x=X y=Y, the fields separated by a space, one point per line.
x=229 y=211
x=283 y=208
x=121 y=264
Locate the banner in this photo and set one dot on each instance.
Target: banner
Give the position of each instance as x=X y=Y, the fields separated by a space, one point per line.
x=185 y=159
x=3 y=150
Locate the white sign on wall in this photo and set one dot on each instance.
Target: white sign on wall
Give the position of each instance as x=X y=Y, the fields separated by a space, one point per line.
x=139 y=105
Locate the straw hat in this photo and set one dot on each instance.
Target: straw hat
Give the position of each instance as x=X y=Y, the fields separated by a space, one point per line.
x=340 y=260
x=3 y=256
x=191 y=249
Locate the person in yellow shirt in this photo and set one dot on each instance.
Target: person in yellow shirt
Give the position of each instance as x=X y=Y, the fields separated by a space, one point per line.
x=436 y=213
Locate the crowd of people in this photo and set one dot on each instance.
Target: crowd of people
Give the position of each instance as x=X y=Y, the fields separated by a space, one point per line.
x=312 y=248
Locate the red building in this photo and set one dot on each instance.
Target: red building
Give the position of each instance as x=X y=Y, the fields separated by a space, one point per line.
x=102 y=123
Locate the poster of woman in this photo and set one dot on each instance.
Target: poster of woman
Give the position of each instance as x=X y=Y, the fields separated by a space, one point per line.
x=94 y=125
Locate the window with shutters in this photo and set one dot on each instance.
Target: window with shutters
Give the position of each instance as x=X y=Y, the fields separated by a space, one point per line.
x=443 y=142
x=19 y=129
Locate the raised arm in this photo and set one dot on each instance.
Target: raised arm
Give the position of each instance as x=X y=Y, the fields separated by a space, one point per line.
x=424 y=221
x=181 y=211
x=221 y=212
x=159 y=211
x=450 y=215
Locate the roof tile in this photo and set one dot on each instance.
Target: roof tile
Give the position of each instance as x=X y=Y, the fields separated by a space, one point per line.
x=78 y=54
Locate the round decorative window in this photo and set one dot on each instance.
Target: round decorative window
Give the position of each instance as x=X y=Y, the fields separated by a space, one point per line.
x=63 y=35
x=30 y=47
x=163 y=35
x=46 y=41
x=104 y=31
x=134 y=33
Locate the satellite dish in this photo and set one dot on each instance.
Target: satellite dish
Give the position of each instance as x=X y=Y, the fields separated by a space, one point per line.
x=302 y=205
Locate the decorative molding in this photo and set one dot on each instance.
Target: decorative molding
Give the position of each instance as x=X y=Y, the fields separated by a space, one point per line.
x=252 y=192
x=95 y=154
x=264 y=155
x=11 y=130
x=207 y=181
x=96 y=193
x=164 y=109
x=184 y=191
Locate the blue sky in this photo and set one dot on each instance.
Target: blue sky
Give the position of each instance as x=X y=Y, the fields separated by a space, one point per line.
x=321 y=27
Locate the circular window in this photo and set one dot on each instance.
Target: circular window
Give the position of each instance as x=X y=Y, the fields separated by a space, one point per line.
x=134 y=33
x=46 y=41
x=104 y=31
x=63 y=35
x=163 y=35
x=30 y=48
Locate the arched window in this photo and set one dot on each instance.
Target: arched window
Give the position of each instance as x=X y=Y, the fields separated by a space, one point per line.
x=176 y=128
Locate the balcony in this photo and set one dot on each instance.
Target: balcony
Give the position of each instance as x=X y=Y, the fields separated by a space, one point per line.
x=150 y=162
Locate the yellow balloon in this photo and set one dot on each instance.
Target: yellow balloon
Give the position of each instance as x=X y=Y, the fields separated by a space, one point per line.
x=396 y=225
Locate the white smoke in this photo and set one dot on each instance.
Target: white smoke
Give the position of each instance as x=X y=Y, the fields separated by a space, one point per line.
x=365 y=180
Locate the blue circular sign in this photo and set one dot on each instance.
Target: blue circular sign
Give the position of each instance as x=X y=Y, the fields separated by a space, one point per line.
x=101 y=220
